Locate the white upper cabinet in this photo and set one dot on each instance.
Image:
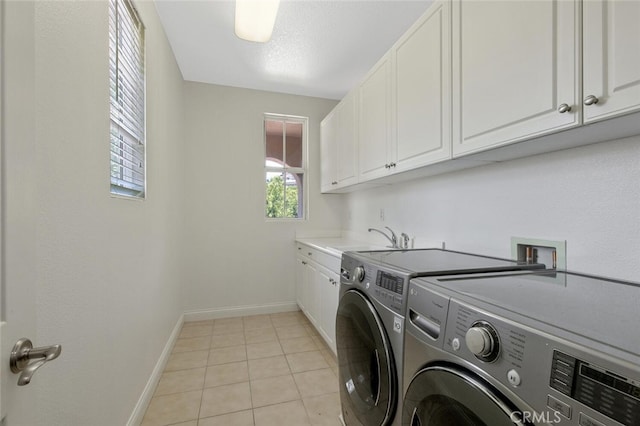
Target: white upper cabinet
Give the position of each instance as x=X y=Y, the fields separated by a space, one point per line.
x=405 y=100
x=471 y=76
x=339 y=145
x=421 y=91
x=515 y=71
x=611 y=49
x=375 y=121
x=347 y=141
x=328 y=152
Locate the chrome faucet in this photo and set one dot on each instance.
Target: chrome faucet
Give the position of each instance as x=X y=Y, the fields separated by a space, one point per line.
x=393 y=239
x=404 y=241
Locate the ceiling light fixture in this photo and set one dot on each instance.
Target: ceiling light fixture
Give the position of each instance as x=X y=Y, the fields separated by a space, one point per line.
x=255 y=19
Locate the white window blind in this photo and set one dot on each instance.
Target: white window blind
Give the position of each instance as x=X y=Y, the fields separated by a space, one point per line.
x=127 y=93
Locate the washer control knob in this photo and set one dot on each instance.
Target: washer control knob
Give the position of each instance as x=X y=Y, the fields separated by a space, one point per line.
x=482 y=340
x=358 y=274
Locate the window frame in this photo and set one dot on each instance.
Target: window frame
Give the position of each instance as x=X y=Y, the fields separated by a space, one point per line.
x=304 y=170
x=134 y=22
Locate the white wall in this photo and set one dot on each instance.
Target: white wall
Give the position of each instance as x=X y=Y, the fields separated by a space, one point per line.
x=107 y=271
x=587 y=196
x=234 y=256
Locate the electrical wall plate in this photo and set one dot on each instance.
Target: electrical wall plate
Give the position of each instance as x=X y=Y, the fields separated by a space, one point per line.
x=535 y=250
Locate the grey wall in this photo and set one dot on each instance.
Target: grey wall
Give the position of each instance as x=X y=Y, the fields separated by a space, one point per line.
x=234 y=256
x=587 y=196
x=107 y=272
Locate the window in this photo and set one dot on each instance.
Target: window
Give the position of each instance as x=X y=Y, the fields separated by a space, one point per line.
x=127 y=99
x=285 y=166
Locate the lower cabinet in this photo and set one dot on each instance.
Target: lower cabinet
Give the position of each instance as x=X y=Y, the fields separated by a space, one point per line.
x=317 y=292
x=300 y=282
x=328 y=283
x=307 y=292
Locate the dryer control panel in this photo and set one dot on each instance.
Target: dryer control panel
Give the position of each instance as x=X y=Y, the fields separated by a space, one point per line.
x=562 y=382
x=605 y=391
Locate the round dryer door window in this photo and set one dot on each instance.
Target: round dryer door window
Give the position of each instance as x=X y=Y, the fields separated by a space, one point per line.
x=367 y=377
x=447 y=395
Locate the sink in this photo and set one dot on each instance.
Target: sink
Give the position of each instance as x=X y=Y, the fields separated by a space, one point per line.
x=341 y=249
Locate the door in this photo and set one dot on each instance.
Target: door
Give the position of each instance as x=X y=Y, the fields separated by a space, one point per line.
x=422 y=91
x=300 y=283
x=444 y=395
x=374 y=125
x=329 y=305
x=346 y=141
x=328 y=151
x=311 y=295
x=18 y=181
x=611 y=58
x=366 y=368
x=514 y=65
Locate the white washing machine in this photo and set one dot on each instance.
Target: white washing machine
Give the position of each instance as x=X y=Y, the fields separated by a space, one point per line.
x=522 y=348
x=371 y=319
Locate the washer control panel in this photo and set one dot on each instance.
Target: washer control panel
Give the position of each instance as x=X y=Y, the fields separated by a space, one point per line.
x=386 y=286
x=390 y=290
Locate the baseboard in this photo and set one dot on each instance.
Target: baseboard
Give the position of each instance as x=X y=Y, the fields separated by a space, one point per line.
x=239 y=311
x=149 y=389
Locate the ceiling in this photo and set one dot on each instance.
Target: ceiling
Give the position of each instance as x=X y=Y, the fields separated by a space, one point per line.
x=319 y=48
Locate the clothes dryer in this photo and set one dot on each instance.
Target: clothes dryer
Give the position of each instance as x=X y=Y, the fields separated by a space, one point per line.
x=521 y=349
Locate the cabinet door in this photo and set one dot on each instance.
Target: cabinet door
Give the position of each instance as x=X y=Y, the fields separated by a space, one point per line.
x=422 y=90
x=329 y=284
x=346 y=141
x=611 y=58
x=514 y=64
x=312 y=293
x=374 y=125
x=328 y=128
x=300 y=282
x=330 y=309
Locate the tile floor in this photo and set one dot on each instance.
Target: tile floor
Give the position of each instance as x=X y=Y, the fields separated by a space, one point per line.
x=258 y=370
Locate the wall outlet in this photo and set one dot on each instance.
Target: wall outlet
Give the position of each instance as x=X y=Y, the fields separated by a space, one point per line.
x=553 y=254
x=382 y=215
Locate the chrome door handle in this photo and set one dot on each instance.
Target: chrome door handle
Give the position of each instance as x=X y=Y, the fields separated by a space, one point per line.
x=23 y=352
x=564 y=108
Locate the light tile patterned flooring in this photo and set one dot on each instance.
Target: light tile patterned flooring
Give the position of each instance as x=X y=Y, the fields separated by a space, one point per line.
x=258 y=370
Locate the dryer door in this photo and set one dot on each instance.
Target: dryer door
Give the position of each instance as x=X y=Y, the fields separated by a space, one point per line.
x=444 y=395
x=367 y=376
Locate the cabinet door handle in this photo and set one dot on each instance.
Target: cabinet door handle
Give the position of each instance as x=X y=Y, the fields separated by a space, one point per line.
x=590 y=100
x=564 y=108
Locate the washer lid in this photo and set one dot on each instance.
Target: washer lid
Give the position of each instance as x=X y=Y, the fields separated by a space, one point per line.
x=600 y=309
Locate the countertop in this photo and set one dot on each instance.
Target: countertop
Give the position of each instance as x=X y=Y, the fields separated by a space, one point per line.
x=336 y=246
